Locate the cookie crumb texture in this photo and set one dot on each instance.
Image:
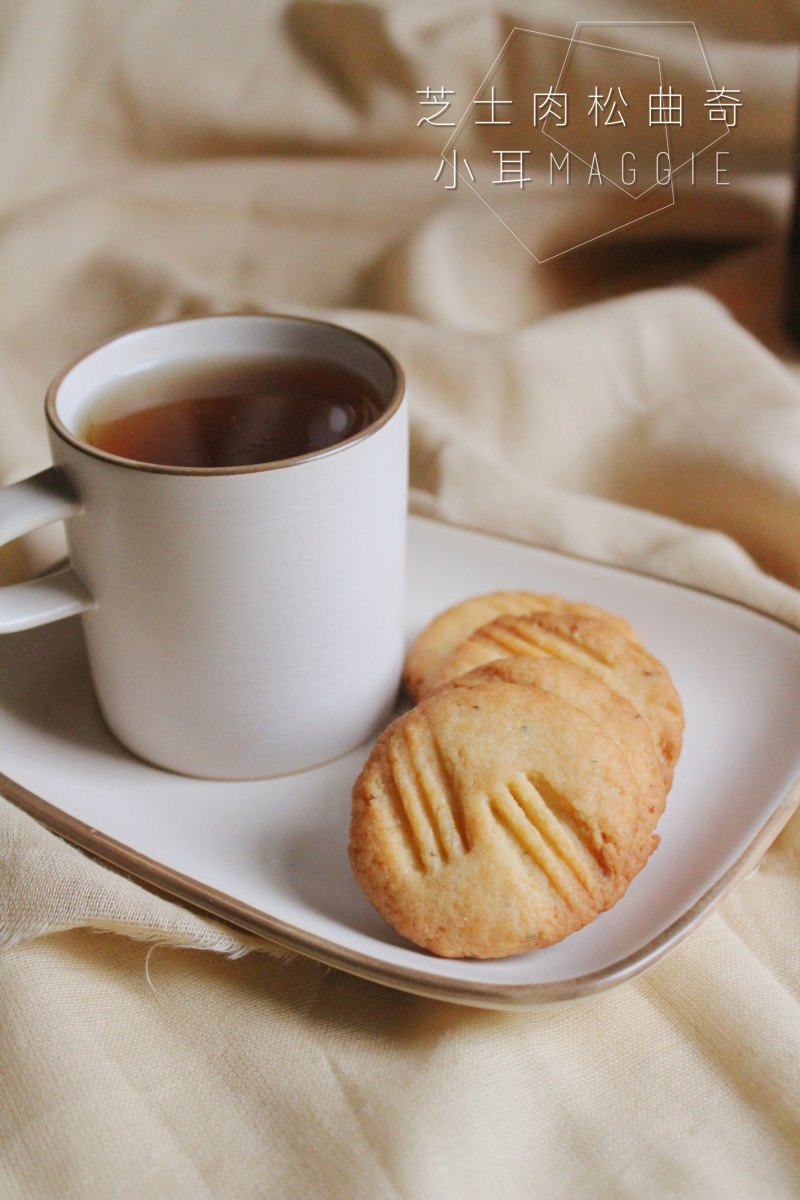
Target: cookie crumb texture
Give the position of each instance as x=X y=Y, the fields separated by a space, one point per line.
x=494 y=819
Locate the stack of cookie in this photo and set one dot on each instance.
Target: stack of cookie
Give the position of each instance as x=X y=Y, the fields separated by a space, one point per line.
x=520 y=796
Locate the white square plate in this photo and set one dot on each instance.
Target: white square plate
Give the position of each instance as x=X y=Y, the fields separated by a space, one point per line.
x=271 y=856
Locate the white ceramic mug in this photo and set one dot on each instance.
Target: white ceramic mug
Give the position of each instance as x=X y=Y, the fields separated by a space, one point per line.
x=242 y=621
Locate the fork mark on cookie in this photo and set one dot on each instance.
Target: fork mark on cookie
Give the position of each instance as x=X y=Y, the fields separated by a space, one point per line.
x=451 y=792
x=498 y=636
x=556 y=643
x=575 y=643
x=569 y=816
x=413 y=801
x=405 y=825
x=568 y=835
x=532 y=833
x=513 y=637
x=436 y=791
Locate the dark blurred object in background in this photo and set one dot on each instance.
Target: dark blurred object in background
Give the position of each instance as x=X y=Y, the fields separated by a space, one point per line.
x=792 y=294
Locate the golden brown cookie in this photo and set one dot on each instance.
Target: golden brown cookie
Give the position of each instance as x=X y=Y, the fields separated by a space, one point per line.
x=491 y=820
x=598 y=648
x=616 y=715
x=453 y=626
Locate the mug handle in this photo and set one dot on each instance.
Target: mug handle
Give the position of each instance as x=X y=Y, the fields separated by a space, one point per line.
x=26 y=506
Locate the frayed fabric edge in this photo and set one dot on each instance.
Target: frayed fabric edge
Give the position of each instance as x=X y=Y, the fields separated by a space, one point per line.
x=229 y=945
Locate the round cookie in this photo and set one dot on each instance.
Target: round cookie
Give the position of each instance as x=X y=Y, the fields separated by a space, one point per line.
x=491 y=820
x=616 y=715
x=599 y=649
x=455 y=624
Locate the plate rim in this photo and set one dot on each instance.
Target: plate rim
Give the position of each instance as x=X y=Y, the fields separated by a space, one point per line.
x=210 y=902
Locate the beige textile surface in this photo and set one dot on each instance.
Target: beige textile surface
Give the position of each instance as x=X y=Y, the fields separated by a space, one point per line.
x=160 y=158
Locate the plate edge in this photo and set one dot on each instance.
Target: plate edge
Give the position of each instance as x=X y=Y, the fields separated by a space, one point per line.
x=210 y=902
x=616 y=568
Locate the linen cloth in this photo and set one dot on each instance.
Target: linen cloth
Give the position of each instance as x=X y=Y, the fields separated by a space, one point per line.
x=160 y=159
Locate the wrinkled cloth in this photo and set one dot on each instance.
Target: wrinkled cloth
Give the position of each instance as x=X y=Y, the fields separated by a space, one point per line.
x=635 y=402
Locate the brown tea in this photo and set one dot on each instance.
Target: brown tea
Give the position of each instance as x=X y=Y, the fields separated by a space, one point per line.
x=231 y=413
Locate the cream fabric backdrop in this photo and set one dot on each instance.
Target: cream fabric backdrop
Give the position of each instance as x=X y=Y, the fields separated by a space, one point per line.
x=161 y=158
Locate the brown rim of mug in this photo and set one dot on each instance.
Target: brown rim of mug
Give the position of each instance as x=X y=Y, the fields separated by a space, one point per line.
x=59 y=428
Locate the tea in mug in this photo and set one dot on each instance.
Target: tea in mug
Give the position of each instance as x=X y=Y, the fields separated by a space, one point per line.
x=234 y=413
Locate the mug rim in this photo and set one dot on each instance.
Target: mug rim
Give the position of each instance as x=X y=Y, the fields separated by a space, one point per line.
x=60 y=429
